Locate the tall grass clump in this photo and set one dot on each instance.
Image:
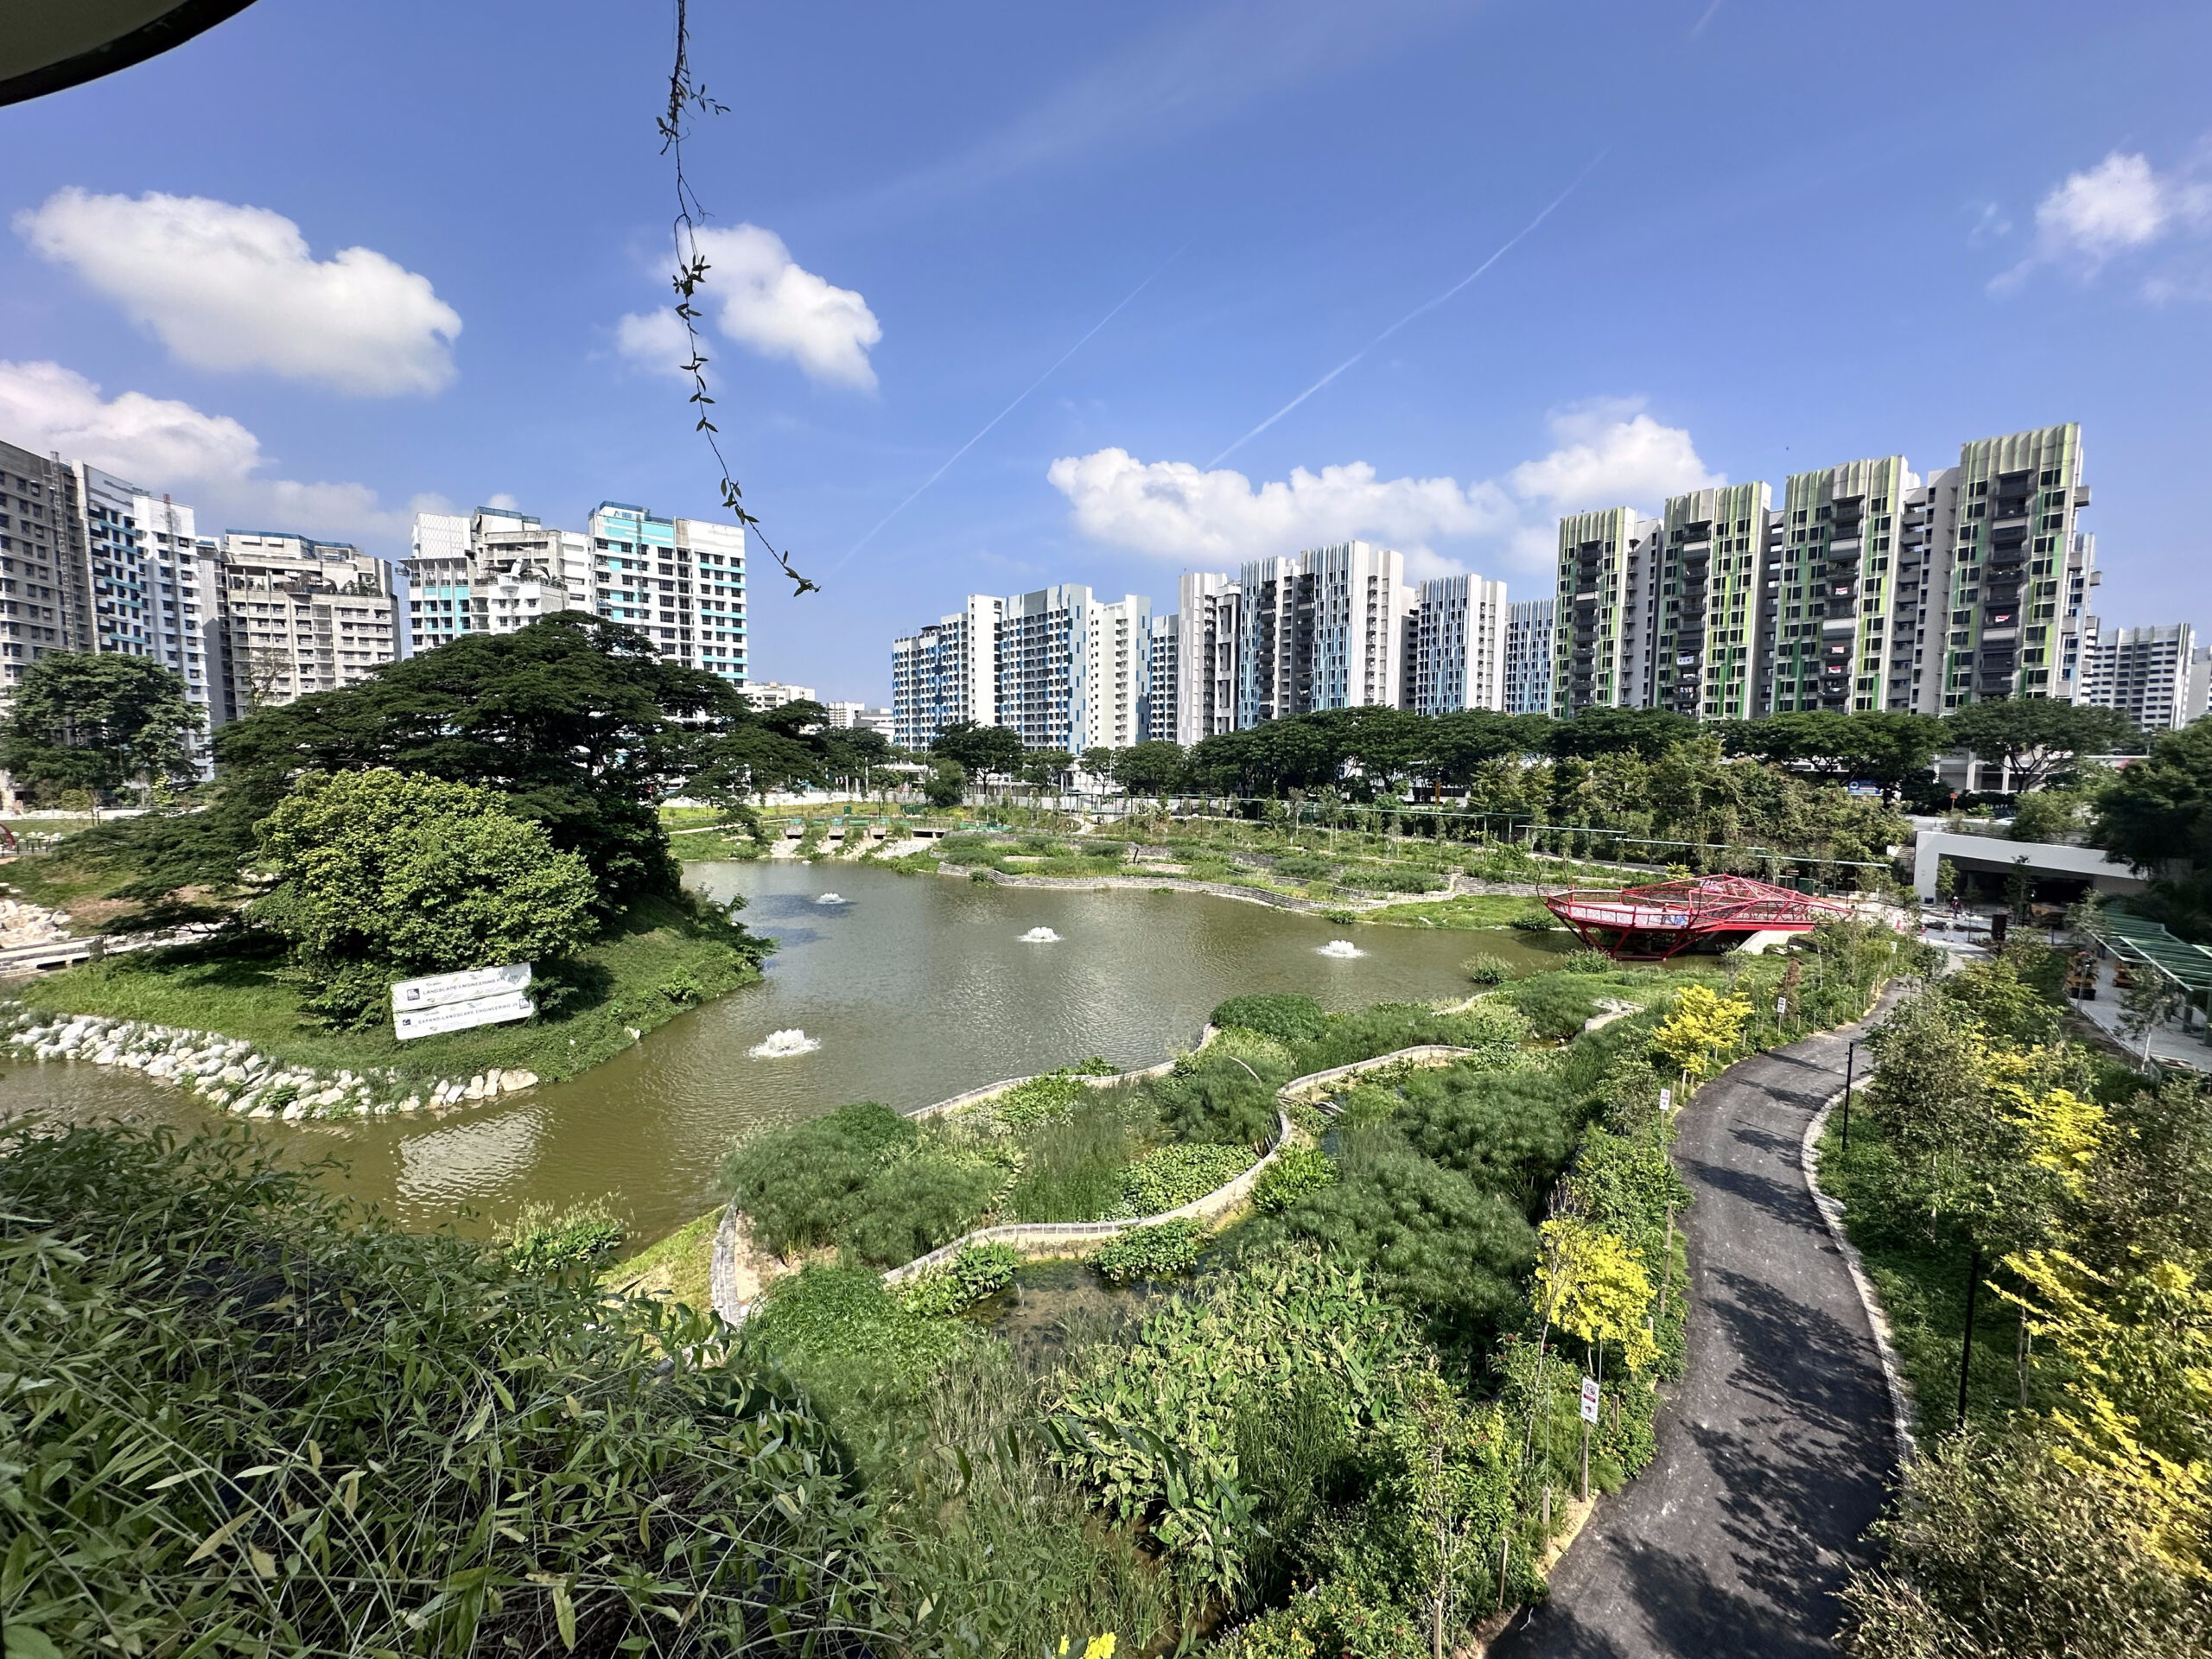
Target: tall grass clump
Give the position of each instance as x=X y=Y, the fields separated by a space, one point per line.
x=260 y=1423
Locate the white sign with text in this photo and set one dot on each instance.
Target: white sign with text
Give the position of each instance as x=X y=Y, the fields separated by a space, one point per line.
x=1589 y=1399
x=434 y=990
x=460 y=1016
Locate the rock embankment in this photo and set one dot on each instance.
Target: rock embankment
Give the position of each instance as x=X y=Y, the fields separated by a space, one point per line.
x=231 y=1074
x=23 y=923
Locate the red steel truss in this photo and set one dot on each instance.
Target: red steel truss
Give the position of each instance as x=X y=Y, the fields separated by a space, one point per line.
x=1653 y=922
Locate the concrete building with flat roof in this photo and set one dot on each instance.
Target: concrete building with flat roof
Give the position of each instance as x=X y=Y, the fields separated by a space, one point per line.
x=2146 y=673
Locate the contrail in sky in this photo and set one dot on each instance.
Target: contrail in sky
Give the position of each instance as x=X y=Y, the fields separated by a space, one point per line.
x=1008 y=410
x=1418 y=310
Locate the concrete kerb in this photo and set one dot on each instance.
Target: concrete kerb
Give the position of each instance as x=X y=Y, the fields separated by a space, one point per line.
x=1054 y=1239
x=1832 y=1213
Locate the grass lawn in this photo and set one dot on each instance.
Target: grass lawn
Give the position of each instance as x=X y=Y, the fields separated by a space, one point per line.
x=665 y=956
x=59 y=880
x=677 y=1268
x=1468 y=910
x=1921 y=1282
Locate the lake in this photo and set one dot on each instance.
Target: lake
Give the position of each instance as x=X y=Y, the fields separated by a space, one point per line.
x=916 y=988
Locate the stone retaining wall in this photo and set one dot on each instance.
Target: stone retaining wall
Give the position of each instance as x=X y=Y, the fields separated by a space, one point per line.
x=993 y=1091
x=231 y=1074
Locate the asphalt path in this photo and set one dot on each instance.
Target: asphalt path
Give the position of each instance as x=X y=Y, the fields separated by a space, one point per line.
x=1775 y=1451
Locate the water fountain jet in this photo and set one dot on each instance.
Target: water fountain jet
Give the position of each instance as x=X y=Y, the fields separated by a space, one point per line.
x=783 y=1045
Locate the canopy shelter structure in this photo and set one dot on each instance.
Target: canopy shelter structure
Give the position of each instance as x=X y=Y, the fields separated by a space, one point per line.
x=1708 y=913
x=2148 y=949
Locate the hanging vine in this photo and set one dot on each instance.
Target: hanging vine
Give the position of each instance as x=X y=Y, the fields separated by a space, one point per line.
x=686 y=97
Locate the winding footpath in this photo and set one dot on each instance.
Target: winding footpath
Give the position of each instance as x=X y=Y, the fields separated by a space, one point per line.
x=1776 y=1450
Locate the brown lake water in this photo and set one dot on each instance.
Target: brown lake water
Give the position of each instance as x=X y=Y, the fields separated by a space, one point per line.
x=917 y=988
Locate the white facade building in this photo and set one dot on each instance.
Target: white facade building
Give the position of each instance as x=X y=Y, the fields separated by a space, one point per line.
x=299 y=616
x=946 y=673
x=148 y=591
x=1166 y=679
x=1454 y=651
x=1526 y=681
x=858 y=717
x=2146 y=673
x=1208 y=628
x=774 y=693
x=1323 y=630
x=1118 y=637
x=680 y=582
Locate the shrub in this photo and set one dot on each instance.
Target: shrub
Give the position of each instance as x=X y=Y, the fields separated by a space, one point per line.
x=1486 y=970
x=382 y=874
x=1213 y=1098
x=977 y=1271
x=1296 y=1172
x=843 y=1326
x=1160 y=1251
x=585 y=1235
x=1392 y=880
x=1587 y=960
x=1334 y=1618
x=1286 y=1018
x=1175 y=1176
x=1535 y=920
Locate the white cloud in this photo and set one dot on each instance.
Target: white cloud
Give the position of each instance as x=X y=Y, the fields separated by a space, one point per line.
x=2122 y=205
x=654 y=339
x=1607 y=454
x=233 y=287
x=766 y=301
x=209 y=461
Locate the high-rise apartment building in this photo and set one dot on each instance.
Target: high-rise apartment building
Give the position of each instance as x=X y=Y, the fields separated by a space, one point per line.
x=1454 y=651
x=680 y=581
x=858 y=717
x=1166 y=679
x=491 y=571
x=41 y=595
x=1526 y=680
x=149 y=592
x=299 y=616
x=2198 y=702
x=946 y=673
x=2021 y=569
x=1118 y=637
x=1832 y=579
x=1208 y=637
x=1607 y=602
x=2143 y=672
x=1323 y=630
x=1044 y=662
x=1711 y=559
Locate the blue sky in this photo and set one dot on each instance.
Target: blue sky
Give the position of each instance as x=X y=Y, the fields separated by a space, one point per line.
x=1791 y=235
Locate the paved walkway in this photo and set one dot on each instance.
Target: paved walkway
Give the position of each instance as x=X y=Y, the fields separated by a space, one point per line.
x=1776 y=1450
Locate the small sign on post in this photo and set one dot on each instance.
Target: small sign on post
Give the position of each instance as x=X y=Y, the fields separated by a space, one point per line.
x=1666 y=1099
x=1781 y=1006
x=459 y=1002
x=1589 y=1399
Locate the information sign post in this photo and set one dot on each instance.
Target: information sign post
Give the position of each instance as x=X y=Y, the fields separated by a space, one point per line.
x=459 y=1002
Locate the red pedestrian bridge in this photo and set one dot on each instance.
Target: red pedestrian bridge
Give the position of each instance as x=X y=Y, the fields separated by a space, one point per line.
x=1708 y=913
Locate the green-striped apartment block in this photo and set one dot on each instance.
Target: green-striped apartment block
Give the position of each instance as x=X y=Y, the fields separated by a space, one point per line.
x=1712 y=561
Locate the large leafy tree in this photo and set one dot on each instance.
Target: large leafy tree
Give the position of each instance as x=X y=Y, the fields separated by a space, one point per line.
x=2160 y=808
x=97 y=721
x=1887 y=747
x=979 y=749
x=1151 y=768
x=2036 y=738
x=383 y=874
x=1648 y=731
x=577 y=721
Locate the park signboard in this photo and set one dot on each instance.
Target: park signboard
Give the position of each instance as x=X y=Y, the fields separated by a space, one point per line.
x=457 y=1001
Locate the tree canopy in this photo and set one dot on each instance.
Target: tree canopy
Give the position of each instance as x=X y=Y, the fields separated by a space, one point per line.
x=1888 y=747
x=578 y=721
x=979 y=749
x=98 y=720
x=2036 y=737
x=2160 y=808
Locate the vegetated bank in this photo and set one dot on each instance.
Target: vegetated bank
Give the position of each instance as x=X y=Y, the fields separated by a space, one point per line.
x=494 y=802
x=1360 y=1419
x=2011 y=1186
